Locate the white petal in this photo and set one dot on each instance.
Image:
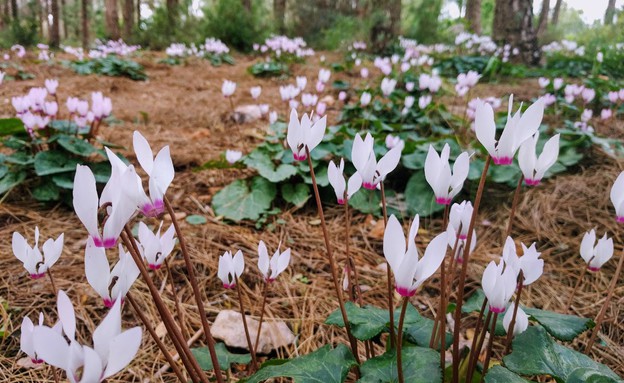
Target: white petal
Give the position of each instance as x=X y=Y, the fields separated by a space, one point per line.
x=122 y=349
x=108 y=329
x=394 y=243
x=617 y=191
x=527 y=159
x=263 y=259
x=52 y=250
x=92 y=368
x=282 y=262
x=548 y=157
x=97 y=268
x=587 y=245
x=26 y=337
x=239 y=263
x=485 y=126
x=85 y=199
x=66 y=315
x=20 y=247
x=143 y=152
x=355 y=183
x=316 y=133
x=432 y=168
x=51 y=347
x=434 y=255
x=163 y=172
x=389 y=161
x=294 y=135
x=530 y=121
x=461 y=167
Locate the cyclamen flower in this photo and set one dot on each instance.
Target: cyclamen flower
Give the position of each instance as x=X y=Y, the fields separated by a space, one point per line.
x=394 y=141
x=154 y=247
x=557 y=83
x=498 y=285
x=51 y=86
x=533 y=167
x=304 y=135
x=459 y=218
x=338 y=183
x=364 y=72
x=521 y=323
x=409 y=102
x=617 y=197
x=365 y=161
x=308 y=99
x=100 y=106
x=117 y=192
x=445 y=184
x=302 y=81
x=468 y=80
x=233 y=156
x=271 y=268
x=27 y=342
x=530 y=263
x=518 y=129
x=409 y=86
x=255 y=92
x=109 y=284
x=606 y=114
x=112 y=349
x=230 y=268
x=596 y=255
x=543 y=82
x=365 y=99
x=613 y=97
x=228 y=88
x=273 y=117
x=387 y=86
x=342 y=95
x=34 y=261
x=50 y=109
x=323 y=75
x=160 y=171
x=410 y=271
x=424 y=101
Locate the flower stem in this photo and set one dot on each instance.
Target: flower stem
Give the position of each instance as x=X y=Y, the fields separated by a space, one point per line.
x=198 y=300
x=605 y=305
x=54 y=290
x=176 y=300
x=265 y=293
x=159 y=343
x=462 y=275
x=440 y=319
x=400 y=340
x=388 y=271
x=514 y=205
x=512 y=324
x=477 y=340
x=332 y=265
x=173 y=331
x=254 y=361
x=576 y=287
x=488 y=353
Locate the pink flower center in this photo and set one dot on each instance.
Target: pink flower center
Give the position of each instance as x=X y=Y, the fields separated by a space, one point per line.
x=108 y=303
x=341 y=201
x=153 y=209
x=369 y=185
x=229 y=285
x=36 y=361
x=106 y=243
x=154 y=266
x=593 y=269
x=443 y=201
x=497 y=310
x=405 y=292
x=37 y=276
x=531 y=182
x=502 y=160
x=299 y=157
x=620 y=219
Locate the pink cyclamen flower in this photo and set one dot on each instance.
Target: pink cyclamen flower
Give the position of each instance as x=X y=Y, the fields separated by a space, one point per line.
x=520 y=324
x=557 y=83
x=549 y=99
x=109 y=284
x=606 y=114
x=338 y=183
x=302 y=81
x=424 y=101
x=365 y=98
x=342 y=95
x=519 y=128
x=228 y=88
x=155 y=247
x=304 y=134
x=323 y=75
x=446 y=184
x=271 y=267
x=394 y=141
x=113 y=349
x=34 y=261
x=596 y=254
x=534 y=167
x=387 y=86
x=365 y=161
x=50 y=108
x=613 y=97
x=410 y=271
x=255 y=92
x=51 y=86
x=230 y=268
x=233 y=156
x=617 y=197
x=409 y=86
x=459 y=218
x=499 y=284
x=101 y=106
x=543 y=82
x=531 y=265
x=160 y=171
x=321 y=108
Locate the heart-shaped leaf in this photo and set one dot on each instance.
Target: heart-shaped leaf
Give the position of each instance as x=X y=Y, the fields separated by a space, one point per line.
x=225 y=358
x=296 y=194
x=53 y=162
x=499 y=374
x=244 y=199
x=561 y=326
x=420 y=365
x=325 y=365
x=262 y=162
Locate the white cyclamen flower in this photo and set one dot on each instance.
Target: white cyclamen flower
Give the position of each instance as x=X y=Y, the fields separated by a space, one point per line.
x=274 y=266
x=596 y=255
x=445 y=184
x=36 y=262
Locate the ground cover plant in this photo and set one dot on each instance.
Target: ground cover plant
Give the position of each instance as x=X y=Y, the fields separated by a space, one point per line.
x=407 y=215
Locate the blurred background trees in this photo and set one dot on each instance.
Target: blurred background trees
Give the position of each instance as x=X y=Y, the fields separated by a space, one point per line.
x=325 y=24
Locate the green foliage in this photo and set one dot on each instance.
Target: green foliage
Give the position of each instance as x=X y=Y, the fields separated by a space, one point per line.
x=236 y=26
x=244 y=199
x=24 y=32
x=325 y=365
x=499 y=374
x=420 y=365
x=269 y=69
x=110 y=65
x=226 y=358
x=536 y=353
x=422 y=21
x=47 y=163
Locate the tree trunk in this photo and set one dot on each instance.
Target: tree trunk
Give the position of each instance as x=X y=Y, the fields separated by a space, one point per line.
x=138 y=13
x=473 y=15
x=279 y=11
x=542 y=24
x=247 y=5
x=513 y=25
x=55 y=30
x=610 y=13
x=63 y=18
x=555 y=16
x=14 y=10
x=128 y=17
x=112 y=20
x=85 y=24
x=172 y=13
x=395 y=17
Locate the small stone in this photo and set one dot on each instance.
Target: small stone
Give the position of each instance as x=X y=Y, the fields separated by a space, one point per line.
x=328 y=100
x=228 y=327
x=246 y=113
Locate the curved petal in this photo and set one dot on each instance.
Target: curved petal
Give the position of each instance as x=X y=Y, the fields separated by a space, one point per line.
x=432 y=169
x=263 y=259
x=548 y=157
x=394 y=243
x=530 y=121
x=282 y=262
x=316 y=133
x=389 y=161
x=52 y=250
x=108 y=329
x=97 y=268
x=527 y=159
x=354 y=184
x=92 y=367
x=26 y=337
x=617 y=191
x=360 y=152
x=485 y=126
x=143 y=152
x=434 y=255
x=587 y=245
x=461 y=167
x=294 y=136
x=238 y=263
x=51 y=347
x=122 y=349
x=66 y=315
x=85 y=199
x=20 y=247
x=163 y=172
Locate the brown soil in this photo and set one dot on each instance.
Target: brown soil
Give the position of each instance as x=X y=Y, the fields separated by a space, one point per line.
x=185 y=109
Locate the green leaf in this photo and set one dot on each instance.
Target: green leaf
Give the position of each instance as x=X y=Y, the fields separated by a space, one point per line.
x=366 y=201
x=11 y=126
x=20 y=158
x=296 y=194
x=225 y=358
x=261 y=161
x=64 y=180
x=3 y=170
x=420 y=365
x=196 y=219
x=53 y=162
x=10 y=180
x=536 y=353
x=324 y=365
x=417 y=329
x=101 y=171
x=419 y=196
x=499 y=374
x=587 y=375
x=244 y=199
x=46 y=192
x=76 y=145
x=561 y=326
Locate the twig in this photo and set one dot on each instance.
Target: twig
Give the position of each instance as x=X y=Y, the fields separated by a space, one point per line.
x=265 y=292
x=514 y=205
x=254 y=361
x=477 y=340
x=54 y=290
x=198 y=300
x=576 y=287
x=176 y=356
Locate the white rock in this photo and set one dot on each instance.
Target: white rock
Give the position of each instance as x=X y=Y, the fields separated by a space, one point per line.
x=246 y=113
x=228 y=327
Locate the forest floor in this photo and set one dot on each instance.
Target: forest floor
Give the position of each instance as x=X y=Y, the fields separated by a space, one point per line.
x=182 y=106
